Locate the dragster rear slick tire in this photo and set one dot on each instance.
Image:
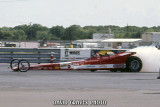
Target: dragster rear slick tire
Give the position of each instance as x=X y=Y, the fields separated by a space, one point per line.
x=23 y=65
x=133 y=64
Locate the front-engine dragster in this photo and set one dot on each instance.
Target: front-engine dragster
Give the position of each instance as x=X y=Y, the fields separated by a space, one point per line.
x=124 y=61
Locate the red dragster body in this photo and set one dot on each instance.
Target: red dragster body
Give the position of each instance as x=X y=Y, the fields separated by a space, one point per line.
x=121 y=61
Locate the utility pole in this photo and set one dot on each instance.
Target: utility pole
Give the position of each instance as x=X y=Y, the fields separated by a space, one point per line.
x=127 y=30
x=109 y=30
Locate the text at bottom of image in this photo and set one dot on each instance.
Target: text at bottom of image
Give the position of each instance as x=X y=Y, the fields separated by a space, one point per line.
x=80 y=102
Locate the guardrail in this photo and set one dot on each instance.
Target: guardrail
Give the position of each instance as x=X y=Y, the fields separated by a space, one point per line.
x=32 y=55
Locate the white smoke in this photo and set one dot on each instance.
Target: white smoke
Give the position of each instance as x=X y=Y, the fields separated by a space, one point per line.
x=150 y=57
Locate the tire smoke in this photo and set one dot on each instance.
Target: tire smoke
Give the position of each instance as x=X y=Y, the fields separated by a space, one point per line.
x=150 y=57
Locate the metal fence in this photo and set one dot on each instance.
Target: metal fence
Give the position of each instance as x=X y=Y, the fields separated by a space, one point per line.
x=32 y=55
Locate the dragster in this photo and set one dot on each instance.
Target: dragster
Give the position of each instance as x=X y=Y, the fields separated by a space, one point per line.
x=124 y=61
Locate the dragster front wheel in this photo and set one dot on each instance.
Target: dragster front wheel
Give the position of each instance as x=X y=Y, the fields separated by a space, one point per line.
x=14 y=64
x=133 y=64
x=23 y=65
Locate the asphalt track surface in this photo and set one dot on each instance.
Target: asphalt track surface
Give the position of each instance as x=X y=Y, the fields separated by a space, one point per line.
x=42 y=88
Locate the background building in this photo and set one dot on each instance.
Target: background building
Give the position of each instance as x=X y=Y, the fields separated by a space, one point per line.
x=108 y=41
x=102 y=36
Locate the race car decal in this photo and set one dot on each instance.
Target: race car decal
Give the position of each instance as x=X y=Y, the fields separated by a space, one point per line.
x=124 y=54
x=64 y=65
x=103 y=66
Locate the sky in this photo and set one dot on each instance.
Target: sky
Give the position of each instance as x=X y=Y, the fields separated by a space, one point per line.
x=80 y=12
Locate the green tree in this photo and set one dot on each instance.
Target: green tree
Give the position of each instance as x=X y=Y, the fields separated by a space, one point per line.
x=73 y=32
x=150 y=30
x=7 y=35
x=57 y=31
x=31 y=30
x=70 y=32
x=19 y=34
x=40 y=35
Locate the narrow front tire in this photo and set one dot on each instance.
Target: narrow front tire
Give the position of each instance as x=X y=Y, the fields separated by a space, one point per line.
x=14 y=64
x=23 y=65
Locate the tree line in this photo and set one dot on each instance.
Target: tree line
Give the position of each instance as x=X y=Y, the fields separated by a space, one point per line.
x=73 y=32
